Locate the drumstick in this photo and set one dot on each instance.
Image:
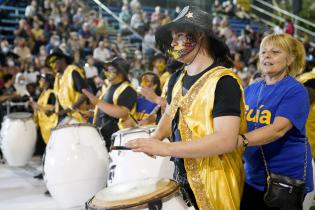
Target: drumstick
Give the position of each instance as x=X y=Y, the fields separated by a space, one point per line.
x=119 y=148
x=132 y=117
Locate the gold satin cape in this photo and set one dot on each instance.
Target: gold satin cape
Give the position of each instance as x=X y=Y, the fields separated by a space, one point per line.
x=65 y=92
x=122 y=123
x=310 y=123
x=45 y=123
x=216 y=181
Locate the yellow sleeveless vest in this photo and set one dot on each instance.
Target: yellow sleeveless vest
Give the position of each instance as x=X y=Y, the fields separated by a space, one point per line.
x=123 y=123
x=164 y=77
x=310 y=123
x=217 y=181
x=65 y=92
x=46 y=123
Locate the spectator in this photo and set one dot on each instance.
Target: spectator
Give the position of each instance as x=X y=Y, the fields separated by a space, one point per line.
x=30 y=10
x=101 y=53
x=289 y=27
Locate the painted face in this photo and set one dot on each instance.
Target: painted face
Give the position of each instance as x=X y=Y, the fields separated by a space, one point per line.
x=273 y=60
x=182 y=44
x=110 y=73
x=160 y=65
x=147 y=81
x=55 y=64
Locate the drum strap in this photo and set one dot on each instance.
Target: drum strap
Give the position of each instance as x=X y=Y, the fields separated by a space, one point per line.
x=155 y=205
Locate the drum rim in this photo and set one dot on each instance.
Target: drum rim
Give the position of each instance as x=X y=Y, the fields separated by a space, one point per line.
x=163 y=196
x=134 y=129
x=30 y=115
x=72 y=125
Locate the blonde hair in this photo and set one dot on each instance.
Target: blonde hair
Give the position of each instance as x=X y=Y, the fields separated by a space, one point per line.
x=292 y=46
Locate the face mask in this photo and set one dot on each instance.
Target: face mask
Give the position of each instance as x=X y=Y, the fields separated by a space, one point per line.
x=10 y=63
x=5 y=49
x=110 y=75
x=184 y=48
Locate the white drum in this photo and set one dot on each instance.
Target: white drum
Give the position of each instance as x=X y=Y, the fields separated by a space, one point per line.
x=127 y=165
x=18 y=138
x=155 y=193
x=75 y=165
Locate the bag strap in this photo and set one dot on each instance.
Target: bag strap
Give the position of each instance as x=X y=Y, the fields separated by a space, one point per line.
x=262 y=151
x=305 y=161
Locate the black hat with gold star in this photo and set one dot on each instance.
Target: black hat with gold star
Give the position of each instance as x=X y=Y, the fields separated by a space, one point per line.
x=192 y=20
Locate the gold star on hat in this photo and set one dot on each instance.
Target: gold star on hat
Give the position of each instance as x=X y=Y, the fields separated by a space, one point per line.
x=189 y=15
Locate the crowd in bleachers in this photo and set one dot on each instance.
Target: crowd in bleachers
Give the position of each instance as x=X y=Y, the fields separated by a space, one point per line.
x=81 y=32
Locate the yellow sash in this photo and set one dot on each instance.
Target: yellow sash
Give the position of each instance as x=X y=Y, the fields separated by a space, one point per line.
x=310 y=123
x=46 y=123
x=65 y=92
x=217 y=181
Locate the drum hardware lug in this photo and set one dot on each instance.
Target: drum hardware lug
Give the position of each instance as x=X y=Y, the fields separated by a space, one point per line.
x=155 y=205
x=111 y=173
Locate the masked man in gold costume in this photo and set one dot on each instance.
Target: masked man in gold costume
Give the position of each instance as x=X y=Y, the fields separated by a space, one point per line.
x=204 y=114
x=69 y=82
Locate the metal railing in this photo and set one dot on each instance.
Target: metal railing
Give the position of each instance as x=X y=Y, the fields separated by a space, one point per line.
x=295 y=18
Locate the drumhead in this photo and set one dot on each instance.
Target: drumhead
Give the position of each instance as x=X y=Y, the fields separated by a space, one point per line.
x=137 y=193
x=72 y=125
x=19 y=116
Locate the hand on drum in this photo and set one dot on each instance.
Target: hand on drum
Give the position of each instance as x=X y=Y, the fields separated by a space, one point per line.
x=150 y=146
x=93 y=99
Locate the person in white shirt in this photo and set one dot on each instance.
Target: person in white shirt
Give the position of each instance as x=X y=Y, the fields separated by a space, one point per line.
x=101 y=53
x=30 y=10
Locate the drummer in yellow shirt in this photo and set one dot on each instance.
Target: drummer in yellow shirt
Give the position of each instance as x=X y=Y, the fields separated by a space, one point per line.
x=45 y=106
x=69 y=82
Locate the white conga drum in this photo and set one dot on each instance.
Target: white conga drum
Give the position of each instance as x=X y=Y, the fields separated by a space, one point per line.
x=152 y=193
x=18 y=138
x=76 y=164
x=127 y=165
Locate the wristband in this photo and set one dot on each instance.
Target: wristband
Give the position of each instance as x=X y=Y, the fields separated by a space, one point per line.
x=245 y=140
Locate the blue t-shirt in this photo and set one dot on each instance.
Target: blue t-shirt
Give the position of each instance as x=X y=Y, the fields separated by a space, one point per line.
x=144 y=105
x=285 y=156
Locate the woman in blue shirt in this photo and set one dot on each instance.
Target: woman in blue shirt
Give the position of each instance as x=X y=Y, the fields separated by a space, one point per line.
x=276 y=111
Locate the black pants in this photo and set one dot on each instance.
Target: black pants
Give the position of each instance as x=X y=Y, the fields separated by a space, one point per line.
x=253 y=199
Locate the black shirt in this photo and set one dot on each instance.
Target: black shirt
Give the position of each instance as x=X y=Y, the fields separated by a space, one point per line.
x=79 y=82
x=127 y=98
x=310 y=83
x=51 y=99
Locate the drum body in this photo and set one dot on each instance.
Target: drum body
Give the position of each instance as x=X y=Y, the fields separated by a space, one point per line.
x=127 y=165
x=76 y=164
x=18 y=138
x=140 y=194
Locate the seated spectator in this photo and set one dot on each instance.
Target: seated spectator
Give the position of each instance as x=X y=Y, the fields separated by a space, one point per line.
x=101 y=53
x=90 y=73
x=30 y=10
x=156 y=17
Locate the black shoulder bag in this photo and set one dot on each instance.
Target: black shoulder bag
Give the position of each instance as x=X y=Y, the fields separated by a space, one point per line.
x=284 y=192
